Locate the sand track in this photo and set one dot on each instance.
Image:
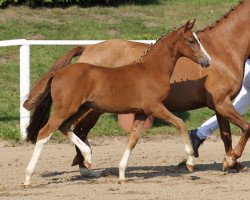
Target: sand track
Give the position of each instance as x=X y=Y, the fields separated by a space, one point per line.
x=153 y=172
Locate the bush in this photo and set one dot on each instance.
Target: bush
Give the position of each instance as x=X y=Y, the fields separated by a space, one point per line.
x=66 y=3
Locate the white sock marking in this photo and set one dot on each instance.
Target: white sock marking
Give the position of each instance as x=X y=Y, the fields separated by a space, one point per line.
x=85 y=149
x=34 y=159
x=190 y=152
x=123 y=164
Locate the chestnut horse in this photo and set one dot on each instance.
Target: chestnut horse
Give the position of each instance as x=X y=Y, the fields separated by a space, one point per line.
x=142 y=88
x=191 y=86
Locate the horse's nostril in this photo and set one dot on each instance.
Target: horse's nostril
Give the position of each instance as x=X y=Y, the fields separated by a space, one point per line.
x=209 y=62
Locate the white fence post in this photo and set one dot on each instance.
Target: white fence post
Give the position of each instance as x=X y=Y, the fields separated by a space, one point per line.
x=24 y=87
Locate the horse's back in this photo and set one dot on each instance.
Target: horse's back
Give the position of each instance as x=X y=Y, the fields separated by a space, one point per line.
x=106 y=53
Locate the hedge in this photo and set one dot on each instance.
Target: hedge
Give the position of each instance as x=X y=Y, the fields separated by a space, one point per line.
x=66 y=3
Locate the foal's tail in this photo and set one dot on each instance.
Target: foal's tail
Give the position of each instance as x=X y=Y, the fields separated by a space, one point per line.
x=40 y=99
x=39 y=87
x=66 y=59
x=41 y=104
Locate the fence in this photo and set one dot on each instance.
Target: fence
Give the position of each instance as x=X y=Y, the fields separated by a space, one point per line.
x=25 y=68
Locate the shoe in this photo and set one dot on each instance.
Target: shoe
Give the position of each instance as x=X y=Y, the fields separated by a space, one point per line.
x=195 y=140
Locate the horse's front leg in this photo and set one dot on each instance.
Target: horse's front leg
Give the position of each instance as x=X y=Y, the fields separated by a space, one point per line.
x=226 y=109
x=132 y=140
x=225 y=133
x=226 y=137
x=161 y=112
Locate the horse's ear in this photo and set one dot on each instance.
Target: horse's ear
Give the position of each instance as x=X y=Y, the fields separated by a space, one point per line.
x=186 y=26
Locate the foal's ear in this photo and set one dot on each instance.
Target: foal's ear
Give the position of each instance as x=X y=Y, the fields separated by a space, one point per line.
x=186 y=26
x=189 y=25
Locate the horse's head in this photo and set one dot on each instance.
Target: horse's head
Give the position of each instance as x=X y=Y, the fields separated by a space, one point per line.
x=190 y=46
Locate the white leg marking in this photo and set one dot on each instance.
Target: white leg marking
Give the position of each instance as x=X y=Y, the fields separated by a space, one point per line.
x=190 y=153
x=123 y=164
x=202 y=48
x=85 y=149
x=34 y=159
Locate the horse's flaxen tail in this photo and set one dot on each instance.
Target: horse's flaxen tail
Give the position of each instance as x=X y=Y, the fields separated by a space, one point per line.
x=41 y=104
x=66 y=59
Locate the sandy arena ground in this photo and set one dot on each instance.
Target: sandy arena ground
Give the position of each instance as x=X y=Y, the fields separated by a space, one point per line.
x=153 y=172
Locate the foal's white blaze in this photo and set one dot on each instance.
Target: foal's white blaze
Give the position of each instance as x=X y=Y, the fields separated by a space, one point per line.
x=202 y=48
x=85 y=149
x=123 y=164
x=34 y=159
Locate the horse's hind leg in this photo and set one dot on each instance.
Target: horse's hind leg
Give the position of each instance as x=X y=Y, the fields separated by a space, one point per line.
x=42 y=138
x=161 y=112
x=132 y=140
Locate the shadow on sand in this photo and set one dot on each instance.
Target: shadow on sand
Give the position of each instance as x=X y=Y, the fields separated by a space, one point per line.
x=144 y=172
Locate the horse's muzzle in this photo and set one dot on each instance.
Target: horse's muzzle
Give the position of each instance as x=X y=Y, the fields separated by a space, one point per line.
x=205 y=62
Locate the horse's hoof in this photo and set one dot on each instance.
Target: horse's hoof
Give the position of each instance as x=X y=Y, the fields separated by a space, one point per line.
x=228 y=163
x=87 y=165
x=239 y=167
x=190 y=168
x=75 y=161
x=121 y=182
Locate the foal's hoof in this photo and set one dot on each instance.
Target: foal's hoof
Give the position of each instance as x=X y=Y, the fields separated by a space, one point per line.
x=121 y=182
x=26 y=185
x=87 y=165
x=190 y=168
x=228 y=162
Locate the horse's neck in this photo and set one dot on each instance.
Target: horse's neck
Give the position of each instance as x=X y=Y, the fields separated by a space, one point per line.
x=230 y=35
x=163 y=55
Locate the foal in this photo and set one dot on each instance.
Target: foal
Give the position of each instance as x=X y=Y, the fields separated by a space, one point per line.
x=140 y=87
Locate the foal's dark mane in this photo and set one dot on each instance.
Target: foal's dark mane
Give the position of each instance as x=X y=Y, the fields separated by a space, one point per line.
x=153 y=44
x=225 y=16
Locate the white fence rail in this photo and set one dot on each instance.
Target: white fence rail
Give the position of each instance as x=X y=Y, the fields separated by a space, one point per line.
x=25 y=68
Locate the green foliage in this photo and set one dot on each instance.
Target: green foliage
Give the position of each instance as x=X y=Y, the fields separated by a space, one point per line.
x=66 y=3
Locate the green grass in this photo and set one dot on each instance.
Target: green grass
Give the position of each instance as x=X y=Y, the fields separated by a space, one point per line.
x=127 y=22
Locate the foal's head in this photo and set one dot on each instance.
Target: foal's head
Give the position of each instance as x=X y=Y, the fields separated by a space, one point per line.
x=190 y=46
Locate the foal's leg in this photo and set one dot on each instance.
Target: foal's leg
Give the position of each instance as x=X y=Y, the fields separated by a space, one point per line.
x=161 y=112
x=132 y=140
x=42 y=138
x=227 y=110
x=82 y=127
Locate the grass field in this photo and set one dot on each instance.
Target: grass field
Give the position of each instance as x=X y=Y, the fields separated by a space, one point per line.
x=127 y=22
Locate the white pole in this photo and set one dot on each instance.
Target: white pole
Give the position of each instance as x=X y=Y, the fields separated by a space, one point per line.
x=24 y=87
